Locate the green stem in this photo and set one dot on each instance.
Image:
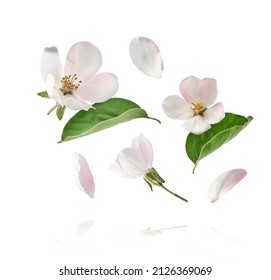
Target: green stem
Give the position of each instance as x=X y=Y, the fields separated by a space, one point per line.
x=150 y=118
x=174 y=193
x=52 y=109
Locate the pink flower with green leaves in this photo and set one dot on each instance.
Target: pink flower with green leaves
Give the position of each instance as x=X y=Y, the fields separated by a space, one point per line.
x=78 y=85
x=225 y=182
x=136 y=161
x=195 y=106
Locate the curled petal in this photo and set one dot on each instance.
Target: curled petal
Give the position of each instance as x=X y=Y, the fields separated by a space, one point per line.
x=176 y=108
x=146 y=56
x=196 y=125
x=189 y=88
x=51 y=64
x=98 y=88
x=83 y=175
x=225 y=182
x=144 y=147
x=83 y=59
x=214 y=114
x=208 y=91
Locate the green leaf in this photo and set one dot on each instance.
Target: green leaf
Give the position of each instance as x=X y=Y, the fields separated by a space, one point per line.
x=200 y=146
x=105 y=115
x=60 y=111
x=43 y=94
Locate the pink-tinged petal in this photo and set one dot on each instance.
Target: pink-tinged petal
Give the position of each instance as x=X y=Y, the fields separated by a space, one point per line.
x=83 y=227
x=83 y=59
x=214 y=114
x=52 y=89
x=117 y=169
x=176 y=108
x=196 y=125
x=132 y=163
x=99 y=88
x=225 y=182
x=51 y=64
x=83 y=175
x=208 y=91
x=143 y=146
x=189 y=88
x=71 y=102
x=146 y=56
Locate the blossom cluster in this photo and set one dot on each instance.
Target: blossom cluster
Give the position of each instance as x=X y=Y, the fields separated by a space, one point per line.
x=78 y=86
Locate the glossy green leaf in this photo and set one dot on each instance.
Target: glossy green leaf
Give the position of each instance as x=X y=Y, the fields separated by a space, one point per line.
x=105 y=115
x=43 y=94
x=60 y=111
x=200 y=146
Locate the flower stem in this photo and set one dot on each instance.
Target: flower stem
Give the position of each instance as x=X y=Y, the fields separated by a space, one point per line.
x=173 y=193
x=52 y=109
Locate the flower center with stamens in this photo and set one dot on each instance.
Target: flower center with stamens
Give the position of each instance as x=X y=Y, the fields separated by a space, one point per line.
x=198 y=108
x=69 y=84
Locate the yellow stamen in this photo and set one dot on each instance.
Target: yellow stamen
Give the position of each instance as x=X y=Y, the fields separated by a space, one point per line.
x=198 y=108
x=69 y=84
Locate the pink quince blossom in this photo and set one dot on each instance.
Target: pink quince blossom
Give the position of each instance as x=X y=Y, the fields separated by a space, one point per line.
x=224 y=182
x=194 y=108
x=135 y=161
x=78 y=85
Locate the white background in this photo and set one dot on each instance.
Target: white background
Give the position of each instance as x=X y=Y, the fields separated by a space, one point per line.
x=40 y=204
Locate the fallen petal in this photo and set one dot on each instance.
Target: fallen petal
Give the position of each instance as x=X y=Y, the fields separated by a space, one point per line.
x=225 y=182
x=146 y=56
x=83 y=175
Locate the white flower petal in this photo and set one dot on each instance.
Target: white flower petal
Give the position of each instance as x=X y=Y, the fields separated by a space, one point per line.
x=176 y=108
x=52 y=89
x=146 y=56
x=71 y=102
x=117 y=169
x=83 y=175
x=196 y=125
x=189 y=88
x=99 y=88
x=214 y=114
x=208 y=91
x=83 y=59
x=225 y=182
x=143 y=146
x=51 y=64
x=132 y=163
